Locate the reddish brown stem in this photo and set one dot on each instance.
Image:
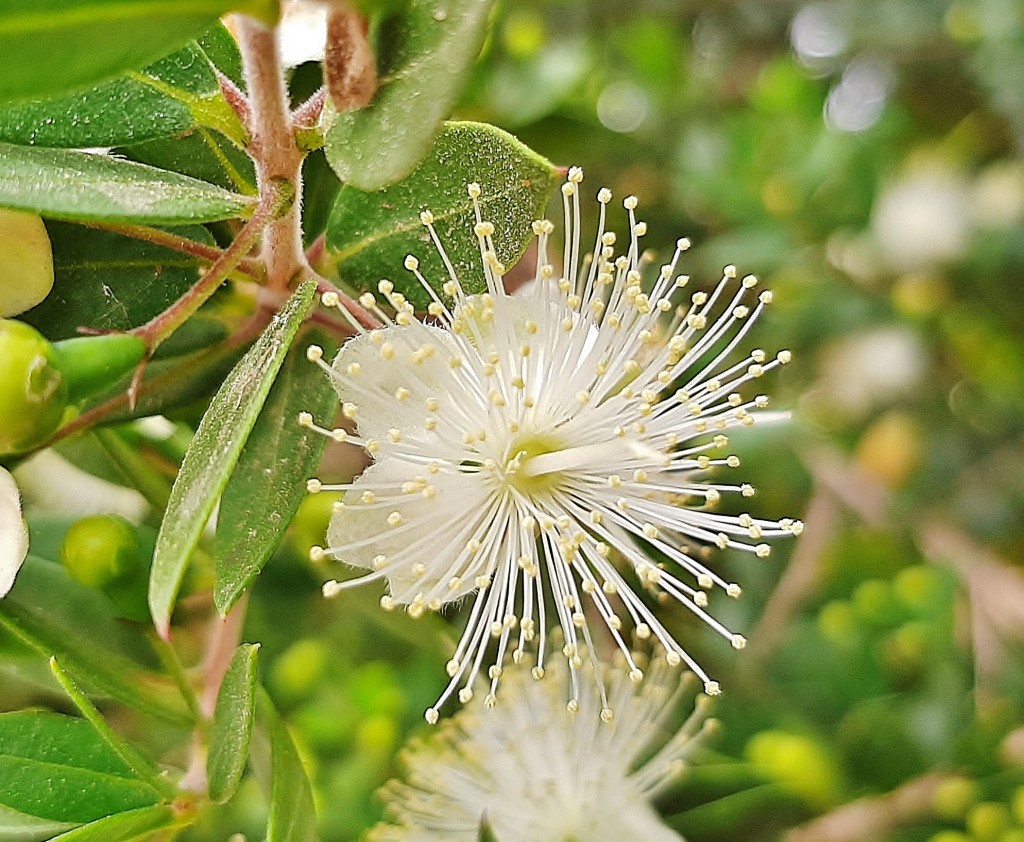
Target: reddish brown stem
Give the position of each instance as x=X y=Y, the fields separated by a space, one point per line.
x=307 y=115
x=175 y=242
x=238 y=101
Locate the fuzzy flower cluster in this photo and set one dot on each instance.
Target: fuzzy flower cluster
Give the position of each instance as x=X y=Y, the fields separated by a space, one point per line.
x=538 y=773
x=555 y=451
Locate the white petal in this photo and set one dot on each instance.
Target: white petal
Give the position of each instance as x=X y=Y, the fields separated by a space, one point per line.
x=13 y=534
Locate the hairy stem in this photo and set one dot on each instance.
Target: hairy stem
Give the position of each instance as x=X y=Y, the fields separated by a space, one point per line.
x=273 y=148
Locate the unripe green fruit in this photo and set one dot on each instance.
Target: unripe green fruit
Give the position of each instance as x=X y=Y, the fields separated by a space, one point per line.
x=26 y=262
x=105 y=552
x=988 y=821
x=797 y=763
x=954 y=797
x=33 y=393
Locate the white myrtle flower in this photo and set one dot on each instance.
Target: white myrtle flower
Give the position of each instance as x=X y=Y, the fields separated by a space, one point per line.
x=13 y=534
x=540 y=773
x=527 y=448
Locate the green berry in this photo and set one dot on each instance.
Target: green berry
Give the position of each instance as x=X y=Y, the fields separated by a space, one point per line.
x=796 y=762
x=954 y=797
x=33 y=394
x=299 y=669
x=26 y=262
x=105 y=552
x=987 y=821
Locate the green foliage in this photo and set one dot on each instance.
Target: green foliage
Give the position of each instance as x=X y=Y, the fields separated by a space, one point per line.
x=98 y=38
x=423 y=45
x=232 y=724
x=67 y=184
x=268 y=483
x=215 y=451
x=369 y=235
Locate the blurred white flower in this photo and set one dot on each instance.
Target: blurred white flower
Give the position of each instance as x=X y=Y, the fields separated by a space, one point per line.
x=52 y=483
x=13 y=534
x=533 y=444
x=923 y=219
x=541 y=773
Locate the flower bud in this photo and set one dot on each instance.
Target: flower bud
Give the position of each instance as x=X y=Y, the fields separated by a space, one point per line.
x=26 y=262
x=33 y=394
x=106 y=552
x=13 y=534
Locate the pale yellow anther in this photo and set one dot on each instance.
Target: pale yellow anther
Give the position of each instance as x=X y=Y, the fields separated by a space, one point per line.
x=395 y=519
x=314 y=353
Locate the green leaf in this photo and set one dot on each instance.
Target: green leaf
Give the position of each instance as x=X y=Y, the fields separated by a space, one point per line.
x=277 y=763
x=486 y=832
x=269 y=482
x=214 y=452
x=90 y=40
x=57 y=767
x=167 y=98
x=17 y=827
x=66 y=184
x=425 y=52
x=111 y=282
x=222 y=50
x=141 y=766
x=370 y=234
x=205 y=155
x=49 y=612
x=232 y=724
x=124 y=827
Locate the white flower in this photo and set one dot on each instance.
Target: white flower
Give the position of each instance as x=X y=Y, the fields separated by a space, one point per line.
x=540 y=773
x=13 y=534
x=526 y=447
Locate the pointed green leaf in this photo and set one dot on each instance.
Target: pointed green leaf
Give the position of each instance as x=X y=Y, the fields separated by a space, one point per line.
x=426 y=49
x=124 y=827
x=108 y=281
x=66 y=184
x=222 y=50
x=232 y=724
x=269 y=482
x=140 y=765
x=17 y=827
x=48 y=611
x=57 y=767
x=91 y=40
x=214 y=452
x=370 y=234
x=277 y=765
x=171 y=96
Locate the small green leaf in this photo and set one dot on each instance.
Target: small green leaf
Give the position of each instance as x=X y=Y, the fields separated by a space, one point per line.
x=222 y=50
x=66 y=184
x=57 y=767
x=486 y=832
x=214 y=452
x=269 y=482
x=370 y=234
x=49 y=612
x=169 y=97
x=124 y=827
x=426 y=50
x=232 y=724
x=91 y=40
x=141 y=767
x=17 y=827
x=277 y=764
x=110 y=282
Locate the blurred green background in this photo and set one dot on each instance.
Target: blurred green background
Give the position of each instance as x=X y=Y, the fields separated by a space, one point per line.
x=866 y=159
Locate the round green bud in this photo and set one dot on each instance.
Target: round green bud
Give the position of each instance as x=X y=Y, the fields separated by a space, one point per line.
x=1017 y=805
x=298 y=671
x=26 y=262
x=796 y=762
x=989 y=820
x=33 y=394
x=875 y=603
x=838 y=624
x=920 y=589
x=105 y=552
x=954 y=797
x=376 y=736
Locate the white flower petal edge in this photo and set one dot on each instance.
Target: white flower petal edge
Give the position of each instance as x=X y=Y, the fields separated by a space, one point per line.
x=540 y=773
x=13 y=534
x=527 y=446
